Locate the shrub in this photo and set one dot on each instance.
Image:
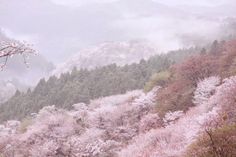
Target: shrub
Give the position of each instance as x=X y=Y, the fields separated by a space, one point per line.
x=24 y=124
x=176 y=96
x=220 y=142
x=157 y=79
x=196 y=68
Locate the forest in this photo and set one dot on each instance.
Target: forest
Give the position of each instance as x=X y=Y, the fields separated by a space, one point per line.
x=84 y=85
x=194 y=97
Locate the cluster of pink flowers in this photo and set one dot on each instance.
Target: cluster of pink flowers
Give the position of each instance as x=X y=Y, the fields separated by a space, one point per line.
x=87 y=130
x=127 y=128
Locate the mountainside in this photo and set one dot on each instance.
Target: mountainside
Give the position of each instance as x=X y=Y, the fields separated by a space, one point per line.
x=84 y=85
x=120 y=53
x=188 y=111
x=127 y=126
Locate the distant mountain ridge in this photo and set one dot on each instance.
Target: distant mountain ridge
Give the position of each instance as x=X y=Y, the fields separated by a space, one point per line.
x=107 y=53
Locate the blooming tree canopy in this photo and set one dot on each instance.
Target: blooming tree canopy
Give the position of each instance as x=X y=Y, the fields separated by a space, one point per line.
x=9 y=49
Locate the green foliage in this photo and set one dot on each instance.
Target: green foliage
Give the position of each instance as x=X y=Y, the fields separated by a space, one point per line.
x=25 y=123
x=83 y=85
x=157 y=79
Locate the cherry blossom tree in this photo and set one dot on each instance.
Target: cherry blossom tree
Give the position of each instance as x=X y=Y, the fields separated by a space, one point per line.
x=218 y=137
x=205 y=89
x=9 y=49
x=127 y=128
x=181 y=129
x=225 y=97
x=170 y=117
x=150 y=121
x=89 y=130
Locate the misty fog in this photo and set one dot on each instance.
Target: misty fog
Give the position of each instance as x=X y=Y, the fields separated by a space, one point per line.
x=60 y=28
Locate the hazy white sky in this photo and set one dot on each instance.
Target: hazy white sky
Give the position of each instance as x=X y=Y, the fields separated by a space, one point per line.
x=59 y=28
x=192 y=2
x=75 y=3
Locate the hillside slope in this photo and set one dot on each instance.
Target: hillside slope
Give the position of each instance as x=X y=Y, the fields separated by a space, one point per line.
x=118 y=126
x=192 y=113
x=84 y=85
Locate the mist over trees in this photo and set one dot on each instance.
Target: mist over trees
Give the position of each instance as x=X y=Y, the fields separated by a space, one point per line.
x=84 y=85
x=188 y=110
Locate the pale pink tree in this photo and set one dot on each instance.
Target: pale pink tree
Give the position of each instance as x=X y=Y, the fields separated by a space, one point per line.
x=150 y=121
x=10 y=48
x=180 y=131
x=225 y=98
x=205 y=89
